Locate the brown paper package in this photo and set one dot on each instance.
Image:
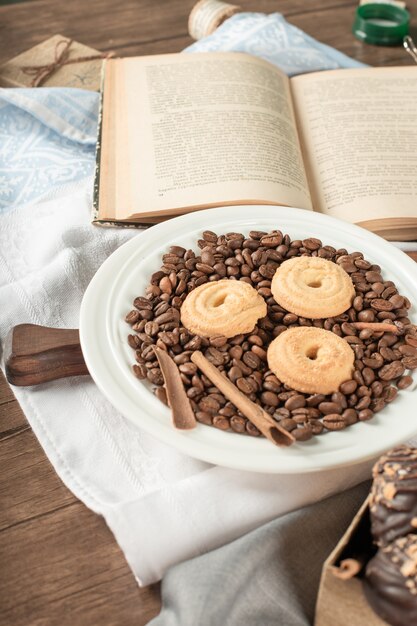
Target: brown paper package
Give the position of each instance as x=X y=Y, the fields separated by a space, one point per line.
x=342 y=602
x=82 y=75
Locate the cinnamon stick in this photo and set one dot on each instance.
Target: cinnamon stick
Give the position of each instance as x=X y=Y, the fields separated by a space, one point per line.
x=255 y=414
x=182 y=414
x=378 y=327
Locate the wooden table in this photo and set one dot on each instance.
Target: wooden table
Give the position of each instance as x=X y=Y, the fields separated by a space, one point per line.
x=59 y=563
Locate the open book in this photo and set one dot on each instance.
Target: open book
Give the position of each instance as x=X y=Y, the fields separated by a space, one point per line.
x=181 y=132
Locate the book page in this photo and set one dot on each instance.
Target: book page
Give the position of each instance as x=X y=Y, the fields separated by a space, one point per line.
x=205 y=129
x=358 y=129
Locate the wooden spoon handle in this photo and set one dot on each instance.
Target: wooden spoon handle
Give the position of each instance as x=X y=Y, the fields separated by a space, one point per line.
x=37 y=354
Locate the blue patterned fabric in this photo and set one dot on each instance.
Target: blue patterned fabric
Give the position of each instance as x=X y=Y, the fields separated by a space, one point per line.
x=48 y=135
x=47 y=140
x=272 y=38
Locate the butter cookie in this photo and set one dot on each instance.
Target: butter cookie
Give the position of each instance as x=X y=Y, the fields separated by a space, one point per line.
x=222 y=307
x=312 y=287
x=311 y=360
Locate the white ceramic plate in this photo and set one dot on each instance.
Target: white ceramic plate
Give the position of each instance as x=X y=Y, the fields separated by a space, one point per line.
x=125 y=275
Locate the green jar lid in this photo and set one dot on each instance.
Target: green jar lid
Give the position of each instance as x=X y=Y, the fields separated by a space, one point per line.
x=381 y=24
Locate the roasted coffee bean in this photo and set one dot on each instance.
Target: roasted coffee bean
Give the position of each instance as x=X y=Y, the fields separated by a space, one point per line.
x=303 y=433
x=350 y=416
x=151 y=328
x=238 y=424
x=348 y=387
x=287 y=423
x=220 y=422
x=316 y=426
x=328 y=408
x=132 y=317
x=374 y=362
x=377 y=404
x=365 y=415
x=339 y=398
x=388 y=354
x=142 y=303
x=214 y=356
x=363 y=390
x=260 y=352
x=209 y=405
x=235 y=373
x=358 y=377
x=139 y=326
x=411 y=340
x=358 y=303
x=407 y=350
x=252 y=430
x=155 y=376
x=272 y=240
x=269 y=398
x=140 y=370
x=238 y=339
x=363 y=403
x=133 y=341
x=368 y=375
x=312 y=243
x=218 y=341
x=373 y=277
x=271 y=383
x=295 y=402
x=290 y=318
x=209 y=236
x=165 y=285
x=390 y=393
x=404 y=382
x=334 y=421
x=177 y=251
x=377 y=388
x=161 y=308
x=352 y=400
x=251 y=360
x=410 y=362
x=379 y=304
x=207 y=257
x=197 y=382
x=189 y=369
x=236 y=352
x=267 y=271
x=397 y=301
x=245 y=385
x=315 y=399
x=392 y=370
x=366 y=316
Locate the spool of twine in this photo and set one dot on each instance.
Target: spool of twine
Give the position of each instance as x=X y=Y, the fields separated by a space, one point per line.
x=207 y=15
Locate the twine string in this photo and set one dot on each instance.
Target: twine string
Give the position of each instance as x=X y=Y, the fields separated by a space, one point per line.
x=41 y=73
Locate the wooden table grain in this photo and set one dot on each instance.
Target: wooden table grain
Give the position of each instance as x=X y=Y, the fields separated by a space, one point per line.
x=59 y=563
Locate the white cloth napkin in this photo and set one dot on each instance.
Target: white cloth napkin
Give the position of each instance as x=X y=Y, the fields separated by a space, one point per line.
x=162 y=506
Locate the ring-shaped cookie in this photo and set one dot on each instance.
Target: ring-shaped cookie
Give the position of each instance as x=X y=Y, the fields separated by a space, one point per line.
x=311 y=360
x=312 y=287
x=222 y=307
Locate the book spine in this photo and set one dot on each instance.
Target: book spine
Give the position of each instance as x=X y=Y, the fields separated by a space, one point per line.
x=96 y=185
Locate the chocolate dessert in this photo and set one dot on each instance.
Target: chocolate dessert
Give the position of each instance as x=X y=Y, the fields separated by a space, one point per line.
x=393 y=500
x=390 y=583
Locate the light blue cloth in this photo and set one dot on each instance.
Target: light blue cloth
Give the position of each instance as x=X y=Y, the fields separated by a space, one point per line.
x=48 y=135
x=47 y=140
x=272 y=38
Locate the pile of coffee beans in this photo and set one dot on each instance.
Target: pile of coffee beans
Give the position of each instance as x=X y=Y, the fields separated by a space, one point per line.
x=382 y=360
